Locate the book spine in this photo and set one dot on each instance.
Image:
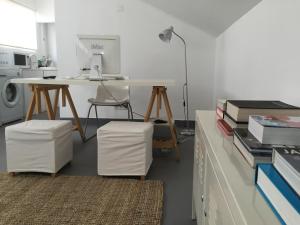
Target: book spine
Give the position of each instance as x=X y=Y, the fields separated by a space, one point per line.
x=286 y=171
x=224 y=130
x=281 y=184
x=246 y=155
x=270 y=204
x=279 y=195
x=220 y=113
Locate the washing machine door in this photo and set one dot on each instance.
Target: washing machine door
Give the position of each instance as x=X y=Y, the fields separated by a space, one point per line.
x=11 y=94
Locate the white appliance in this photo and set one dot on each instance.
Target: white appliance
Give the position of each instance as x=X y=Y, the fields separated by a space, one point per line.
x=11 y=97
x=99 y=54
x=33 y=62
x=10 y=58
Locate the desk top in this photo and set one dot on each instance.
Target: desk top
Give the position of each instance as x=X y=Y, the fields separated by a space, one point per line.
x=63 y=81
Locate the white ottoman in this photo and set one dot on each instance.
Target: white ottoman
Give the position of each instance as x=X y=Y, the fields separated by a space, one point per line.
x=39 y=146
x=125 y=149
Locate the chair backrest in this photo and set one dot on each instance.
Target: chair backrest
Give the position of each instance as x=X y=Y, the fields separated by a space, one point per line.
x=110 y=93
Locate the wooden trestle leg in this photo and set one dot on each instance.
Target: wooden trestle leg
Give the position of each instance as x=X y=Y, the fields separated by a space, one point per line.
x=35 y=103
x=160 y=93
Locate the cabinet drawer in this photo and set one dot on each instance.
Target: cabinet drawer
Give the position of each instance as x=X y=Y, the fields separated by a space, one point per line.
x=200 y=151
x=216 y=210
x=199 y=171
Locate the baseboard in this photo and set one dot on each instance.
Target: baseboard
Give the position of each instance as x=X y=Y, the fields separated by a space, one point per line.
x=182 y=123
x=178 y=123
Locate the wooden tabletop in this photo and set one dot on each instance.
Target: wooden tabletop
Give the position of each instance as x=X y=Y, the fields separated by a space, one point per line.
x=64 y=81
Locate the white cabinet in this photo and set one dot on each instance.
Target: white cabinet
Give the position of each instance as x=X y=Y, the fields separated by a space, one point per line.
x=216 y=210
x=199 y=172
x=224 y=191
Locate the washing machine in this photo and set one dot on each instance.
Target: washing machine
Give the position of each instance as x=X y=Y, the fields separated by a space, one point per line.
x=11 y=97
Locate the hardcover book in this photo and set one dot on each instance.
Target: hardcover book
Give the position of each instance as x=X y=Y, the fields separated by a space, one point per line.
x=224 y=127
x=278 y=121
x=279 y=195
x=253 y=151
x=287 y=162
x=251 y=143
x=283 y=130
x=240 y=110
x=221 y=103
x=233 y=124
x=220 y=113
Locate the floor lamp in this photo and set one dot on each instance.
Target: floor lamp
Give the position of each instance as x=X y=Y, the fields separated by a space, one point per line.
x=166 y=36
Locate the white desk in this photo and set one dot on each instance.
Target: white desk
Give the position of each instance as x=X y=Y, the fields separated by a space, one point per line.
x=39 y=85
x=61 y=81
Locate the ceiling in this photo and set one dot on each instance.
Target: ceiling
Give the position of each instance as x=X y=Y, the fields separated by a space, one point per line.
x=28 y=3
x=211 y=16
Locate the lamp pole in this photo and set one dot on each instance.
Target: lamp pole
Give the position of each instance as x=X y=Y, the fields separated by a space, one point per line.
x=187 y=131
x=166 y=36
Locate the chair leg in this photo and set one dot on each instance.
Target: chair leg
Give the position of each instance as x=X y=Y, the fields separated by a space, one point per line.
x=87 y=119
x=96 y=112
x=131 y=112
x=128 y=112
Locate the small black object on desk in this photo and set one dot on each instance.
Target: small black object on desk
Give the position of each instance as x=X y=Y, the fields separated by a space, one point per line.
x=49 y=77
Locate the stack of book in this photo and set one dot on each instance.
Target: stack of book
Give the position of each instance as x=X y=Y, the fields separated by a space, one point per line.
x=221 y=108
x=279 y=184
x=255 y=143
x=220 y=111
x=265 y=133
x=272 y=143
x=235 y=113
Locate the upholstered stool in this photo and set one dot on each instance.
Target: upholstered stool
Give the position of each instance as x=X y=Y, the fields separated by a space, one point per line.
x=39 y=146
x=125 y=149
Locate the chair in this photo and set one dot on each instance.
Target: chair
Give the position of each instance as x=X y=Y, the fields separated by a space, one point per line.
x=110 y=96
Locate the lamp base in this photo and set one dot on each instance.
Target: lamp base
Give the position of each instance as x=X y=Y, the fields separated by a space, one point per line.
x=187 y=132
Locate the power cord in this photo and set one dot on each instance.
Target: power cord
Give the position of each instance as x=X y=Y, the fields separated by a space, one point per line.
x=184 y=101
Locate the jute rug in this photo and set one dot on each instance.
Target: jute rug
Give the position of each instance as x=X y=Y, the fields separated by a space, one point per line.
x=67 y=200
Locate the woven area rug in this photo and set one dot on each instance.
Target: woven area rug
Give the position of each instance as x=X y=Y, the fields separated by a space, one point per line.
x=64 y=200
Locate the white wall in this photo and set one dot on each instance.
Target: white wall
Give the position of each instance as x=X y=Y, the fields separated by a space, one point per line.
x=28 y=3
x=42 y=39
x=52 y=50
x=143 y=55
x=45 y=11
x=259 y=56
